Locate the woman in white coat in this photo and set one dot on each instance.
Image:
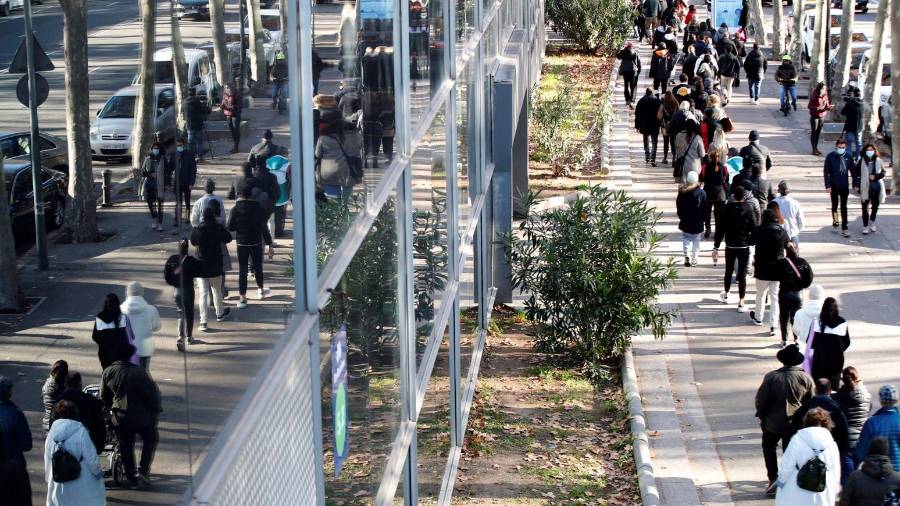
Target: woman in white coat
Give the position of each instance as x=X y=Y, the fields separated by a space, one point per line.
x=67 y=431
x=143 y=321
x=814 y=439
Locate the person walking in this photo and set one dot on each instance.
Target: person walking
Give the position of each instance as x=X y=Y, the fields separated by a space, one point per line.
x=246 y=221
x=90 y=410
x=737 y=224
x=52 y=389
x=243 y=178
x=132 y=396
x=818 y=106
x=853 y=123
x=68 y=434
x=629 y=69
x=210 y=238
x=830 y=341
x=884 y=423
x=143 y=320
x=15 y=440
x=756 y=153
x=770 y=240
x=691 y=206
x=195 y=120
x=814 y=440
x=822 y=399
x=110 y=330
x=838 y=164
x=795 y=274
x=874 y=480
x=715 y=178
x=652 y=11
x=260 y=153
x=154 y=171
x=855 y=401
x=729 y=72
x=203 y=202
x=661 y=64
x=689 y=150
x=755 y=67
x=184 y=167
x=778 y=397
x=761 y=187
x=868 y=180
x=667 y=110
x=647 y=122
x=180 y=272
x=791 y=211
x=806 y=317
x=232 y=105
x=268 y=183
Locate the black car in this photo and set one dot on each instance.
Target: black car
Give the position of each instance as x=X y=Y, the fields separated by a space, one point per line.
x=20 y=196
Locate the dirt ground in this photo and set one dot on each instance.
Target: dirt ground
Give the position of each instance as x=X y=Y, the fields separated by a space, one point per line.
x=539 y=435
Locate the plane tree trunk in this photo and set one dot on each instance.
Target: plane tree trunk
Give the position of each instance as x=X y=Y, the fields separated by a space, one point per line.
x=145 y=112
x=873 y=76
x=220 y=51
x=257 y=50
x=10 y=292
x=842 y=67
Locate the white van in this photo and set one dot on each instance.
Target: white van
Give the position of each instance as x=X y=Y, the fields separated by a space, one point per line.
x=201 y=73
x=865 y=67
x=808 y=24
x=271 y=21
x=111 y=131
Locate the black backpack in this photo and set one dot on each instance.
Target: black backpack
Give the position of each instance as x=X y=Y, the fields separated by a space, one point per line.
x=65 y=466
x=812 y=475
x=172 y=270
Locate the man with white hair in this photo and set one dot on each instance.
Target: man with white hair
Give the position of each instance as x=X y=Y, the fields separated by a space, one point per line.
x=143 y=320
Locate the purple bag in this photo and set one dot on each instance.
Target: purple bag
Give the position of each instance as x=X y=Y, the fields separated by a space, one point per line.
x=130 y=333
x=808 y=353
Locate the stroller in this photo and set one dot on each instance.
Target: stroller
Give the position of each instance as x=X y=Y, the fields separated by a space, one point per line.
x=112 y=459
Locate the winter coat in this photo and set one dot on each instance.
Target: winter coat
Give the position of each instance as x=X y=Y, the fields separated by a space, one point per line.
x=729 y=65
x=262 y=152
x=14 y=480
x=756 y=153
x=690 y=61
x=786 y=74
x=855 y=403
x=782 y=392
x=884 y=423
x=194 y=113
x=806 y=317
x=691 y=148
x=787 y=277
x=804 y=446
x=762 y=190
x=818 y=105
x=838 y=170
x=736 y=225
x=869 y=190
x=794 y=220
x=90 y=414
x=332 y=167
x=853 y=115
x=209 y=238
x=200 y=205
x=144 y=320
x=14 y=431
x=691 y=207
x=770 y=241
x=185 y=166
x=645 y=117
x=631 y=61
x=839 y=421
x=755 y=65
x=246 y=221
x=245 y=182
x=828 y=346
x=661 y=64
x=131 y=394
x=86 y=490
x=715 y=181
x=110 y=335
x=156 y=174
x=268 y=183
x=50 y=393
x=868 y=485
x=232 y=104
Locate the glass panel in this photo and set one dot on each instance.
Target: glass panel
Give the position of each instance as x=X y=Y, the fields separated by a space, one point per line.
x=434 y=428
x=353 y=109
x=468 y=315
x=426 y=53
x=430 y=248
x=465 y=19
x=466 y=145
x=365 y=302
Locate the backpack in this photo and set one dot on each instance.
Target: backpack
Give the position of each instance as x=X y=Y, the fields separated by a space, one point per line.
x=172 y=270
x=65 y=466
x=812 y=475
x=803 y=273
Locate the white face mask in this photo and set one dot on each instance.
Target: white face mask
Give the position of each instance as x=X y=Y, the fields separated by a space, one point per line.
x=870 y=154
x=840 y=151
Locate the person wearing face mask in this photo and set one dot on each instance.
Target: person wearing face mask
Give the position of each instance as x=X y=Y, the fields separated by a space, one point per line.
x=184 y=164
x=155 y=173
x=868 y=176
x=837 y=183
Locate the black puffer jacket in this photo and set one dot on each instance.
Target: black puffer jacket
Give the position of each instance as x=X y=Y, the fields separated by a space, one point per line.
x=856 y=404
x=246 y=221
x=691 y=206
x=770 y=241
x=645 y=119
x=738 y=223
x=755 y=65
x=209 y=238
x=868 y=485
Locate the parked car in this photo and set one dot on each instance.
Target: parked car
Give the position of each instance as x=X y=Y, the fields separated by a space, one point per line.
x=197 y=9
x=271 y=21
x=16 y=146
x=865 y=68
x=201 y=73
x=269 y=47
x=808 y=22
x=861 y=5
x=20 y=196
x=111 y=132
x=233 y=52
x=7 y=6
x=857 y=50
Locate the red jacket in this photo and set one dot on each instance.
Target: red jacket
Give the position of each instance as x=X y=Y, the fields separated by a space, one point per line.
x=819 y=105
x=232 y=103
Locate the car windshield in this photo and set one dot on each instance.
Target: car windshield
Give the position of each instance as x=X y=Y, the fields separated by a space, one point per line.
x=163 y=71
x=119 y=106
x=272 y=23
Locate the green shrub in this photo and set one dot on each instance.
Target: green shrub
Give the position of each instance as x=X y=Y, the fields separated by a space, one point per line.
x=594 y=25
x=554 y=119
x=592 y=277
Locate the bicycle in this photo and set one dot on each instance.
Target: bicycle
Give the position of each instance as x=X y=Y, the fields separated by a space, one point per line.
x=788 y=97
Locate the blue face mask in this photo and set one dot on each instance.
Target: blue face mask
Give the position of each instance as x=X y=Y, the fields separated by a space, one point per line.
x=179 y=148
x=870 y=153
x=154 y=152
x=840 y=151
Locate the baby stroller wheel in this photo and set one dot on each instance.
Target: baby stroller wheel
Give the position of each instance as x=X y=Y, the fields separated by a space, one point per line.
x=118 y=469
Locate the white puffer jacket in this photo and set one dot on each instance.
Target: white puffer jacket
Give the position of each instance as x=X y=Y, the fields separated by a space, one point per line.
x=144 y=320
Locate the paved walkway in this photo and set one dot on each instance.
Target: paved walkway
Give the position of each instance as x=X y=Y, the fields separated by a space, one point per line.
x=699 y=383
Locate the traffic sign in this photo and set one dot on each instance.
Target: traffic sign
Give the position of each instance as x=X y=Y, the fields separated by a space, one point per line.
x=41 y=86
x=19 y=64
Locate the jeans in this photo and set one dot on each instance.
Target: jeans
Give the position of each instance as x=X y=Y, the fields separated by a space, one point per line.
x=156 y=209
x=277 y=90
x=765 y=287
x=183 y=197
x=630 y=85
x=854 y=143
x=252 y=253
x=769 y=446
x=214 y=285
x=726 y=83
x=234 y=126
x=875 y=200
x=754 y=88
x=788 y=304
x=839 y=194
x=848 y=465
x=692 y=240
x=149 y=436
x=784 y=92
x=650 y=154
x=742 y=256
x=195 y=142
x=815 y=130
x=145 y=363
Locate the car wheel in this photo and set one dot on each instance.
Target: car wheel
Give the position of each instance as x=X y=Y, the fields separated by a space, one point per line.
x=57 y=217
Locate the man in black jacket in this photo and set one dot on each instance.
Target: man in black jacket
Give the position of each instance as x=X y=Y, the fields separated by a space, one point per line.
x=853 y=123
x=647 y=123
x=262 y=151
x=195 y=117
x=247 y=220
x=629 y=69
x=661 y=67
x=822 y=399
x=762 y=188
x=184 y=167
x=128 y=391
x=210 y=238
x=756 y=153
x=770 y=240
x=737 y=224
x=729 y=71
x=755 y=67
x=786 y=76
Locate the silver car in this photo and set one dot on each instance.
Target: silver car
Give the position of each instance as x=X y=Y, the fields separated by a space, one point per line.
x=54 y=150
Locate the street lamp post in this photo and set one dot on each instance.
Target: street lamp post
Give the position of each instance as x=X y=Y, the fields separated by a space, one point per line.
x=39 y=232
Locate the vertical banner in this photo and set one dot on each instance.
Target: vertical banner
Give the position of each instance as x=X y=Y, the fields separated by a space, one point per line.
x=728 y=12
x=339 y=398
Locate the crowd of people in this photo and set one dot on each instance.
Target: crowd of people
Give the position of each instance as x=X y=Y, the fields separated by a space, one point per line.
x=815 y=405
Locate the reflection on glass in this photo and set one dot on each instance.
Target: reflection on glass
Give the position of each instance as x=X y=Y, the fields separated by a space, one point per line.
x=434 y=428
x=353 y=107
x=468 y=315
x=426 y=53
x=365 y=300
x=465 y=19
x=466 y=143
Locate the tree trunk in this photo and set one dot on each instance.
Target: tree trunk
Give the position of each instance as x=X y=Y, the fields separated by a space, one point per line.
x=282 y=10
x=143 y=134
x=220 y=52
x=842 y=67
x=181 y=77
x=10 y=293
x=778 y=29
x=817 y=58
x=755 y=20
x=797 y=35
x=872 y=94
x=895 y=96
x=81 y=205
x=257 y=53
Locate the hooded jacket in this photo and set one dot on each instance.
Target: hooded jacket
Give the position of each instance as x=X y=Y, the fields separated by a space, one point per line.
x=736 y=226
x=868 y=485
x=804 y=446
x=88 y=488
x=884 y=423
x=838 y=170
x=110 y=335
x=691 y=207
x=831 y=341
x=855 y=404
x=130 y=393
x=144 y=320
x=755 y=65
x=660 y=64
x=90 y=414
x=805 y=317
x=780 y=395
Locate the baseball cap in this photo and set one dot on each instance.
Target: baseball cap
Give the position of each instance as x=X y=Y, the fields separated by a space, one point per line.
x=887 y=394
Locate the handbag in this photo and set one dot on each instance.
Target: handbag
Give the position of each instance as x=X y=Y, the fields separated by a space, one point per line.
x=808 y=353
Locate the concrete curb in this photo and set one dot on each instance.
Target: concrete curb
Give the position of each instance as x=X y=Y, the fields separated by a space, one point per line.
x=604 y=135
x=641 y=444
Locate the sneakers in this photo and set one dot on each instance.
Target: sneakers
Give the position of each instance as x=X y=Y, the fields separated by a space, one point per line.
x=694 y=261
x=724 y=297
x=865 y=230
x=834 y=221
x=845 y=233
x=262 y=292
x=224 y=316
x=179 y=344
x=242 y=303
x=753 y=318
x=741 y=308
x=772 y=331
x=203 y=327
x=873 y=228
x=687 y=261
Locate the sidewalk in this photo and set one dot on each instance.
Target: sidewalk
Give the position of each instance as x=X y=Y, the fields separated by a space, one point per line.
x=698 y=384
x=218 y=369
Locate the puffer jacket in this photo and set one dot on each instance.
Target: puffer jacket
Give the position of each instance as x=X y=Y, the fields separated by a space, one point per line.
x=782 y=392
x=770 y=241
x=755 y=65
x=884 y=423
x=786 y=74
x=144 y=320
x=856 y=404
x=50 y=393
x=868 y=485
x=691 y=206
x=736 y=225
x=660 y=64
